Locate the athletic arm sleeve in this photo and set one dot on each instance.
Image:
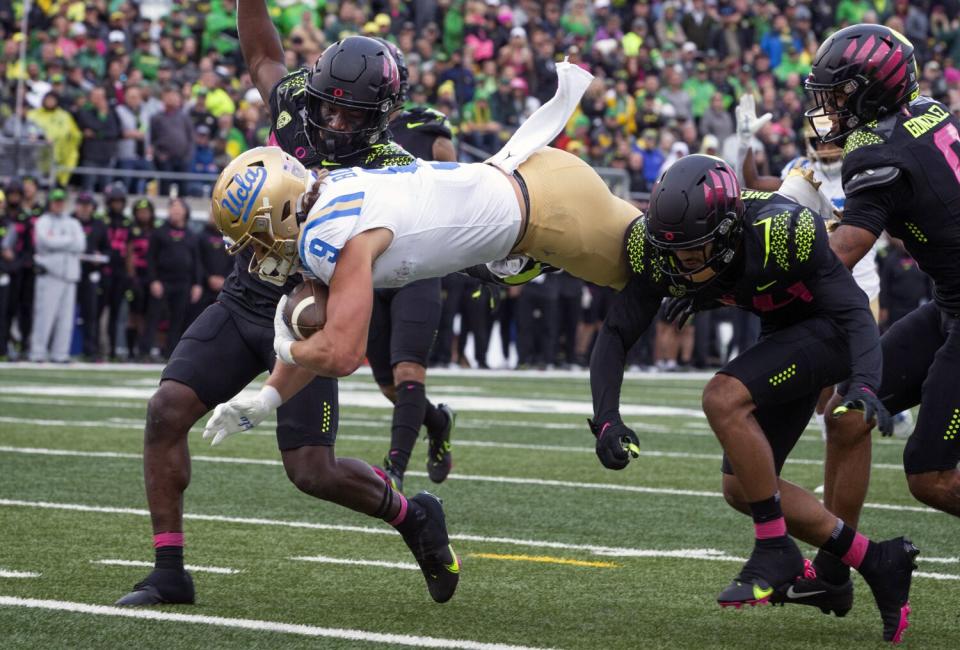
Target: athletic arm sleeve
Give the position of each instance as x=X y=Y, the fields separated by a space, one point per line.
x=630 y=315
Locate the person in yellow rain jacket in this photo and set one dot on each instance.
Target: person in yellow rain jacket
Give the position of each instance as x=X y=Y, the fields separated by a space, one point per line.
x=62 y=132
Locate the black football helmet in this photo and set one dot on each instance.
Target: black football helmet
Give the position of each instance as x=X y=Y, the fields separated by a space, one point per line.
x=860 y=73
x=357 y=74
x=696 y=202
x=401 y=69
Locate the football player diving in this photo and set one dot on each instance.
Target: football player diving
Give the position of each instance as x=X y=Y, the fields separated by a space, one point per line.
x=706 y=244
x=230 y=343
x=900 y=173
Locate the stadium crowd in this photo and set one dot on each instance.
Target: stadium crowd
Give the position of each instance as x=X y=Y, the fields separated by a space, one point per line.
x=159 y=85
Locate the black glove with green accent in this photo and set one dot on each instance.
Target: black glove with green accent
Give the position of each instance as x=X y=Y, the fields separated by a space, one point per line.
x=616 y=443
x=862 y=398
x=679 y=310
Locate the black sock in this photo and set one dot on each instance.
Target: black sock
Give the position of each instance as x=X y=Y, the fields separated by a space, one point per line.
x=766 y=510
x=830 y=568
x=169 y=557
x=407 y=417
x=434 y=419
x=840 y=540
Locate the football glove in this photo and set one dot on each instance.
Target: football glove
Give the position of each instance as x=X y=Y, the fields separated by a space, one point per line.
x=616 y=443
x=240 y=415
x=747 y=121
x=862 y=398
x=679 y=311
x=283 y=338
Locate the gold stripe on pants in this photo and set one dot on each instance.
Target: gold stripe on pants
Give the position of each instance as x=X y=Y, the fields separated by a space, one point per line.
x=575 y=222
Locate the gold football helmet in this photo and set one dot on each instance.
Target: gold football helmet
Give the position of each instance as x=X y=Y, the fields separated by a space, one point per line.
x=255 y=203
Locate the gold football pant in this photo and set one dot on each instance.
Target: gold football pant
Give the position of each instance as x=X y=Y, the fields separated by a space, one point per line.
x=574 y=221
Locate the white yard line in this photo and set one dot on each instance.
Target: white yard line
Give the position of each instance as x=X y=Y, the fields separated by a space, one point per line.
x=374 y=400
x=364 y=371
x=9 y=573
x=511 y=480
x=191 y=567
x=936 y=576
x=254 y=625
x=323 y=559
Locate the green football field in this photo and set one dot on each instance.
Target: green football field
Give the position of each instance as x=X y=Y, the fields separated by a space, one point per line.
x=556 y=551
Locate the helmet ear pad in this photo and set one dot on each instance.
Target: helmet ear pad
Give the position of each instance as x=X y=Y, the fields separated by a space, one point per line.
x=695 y=203
x=358 y=74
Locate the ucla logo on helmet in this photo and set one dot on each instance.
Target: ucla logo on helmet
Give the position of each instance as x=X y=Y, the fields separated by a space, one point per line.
x=243 y=193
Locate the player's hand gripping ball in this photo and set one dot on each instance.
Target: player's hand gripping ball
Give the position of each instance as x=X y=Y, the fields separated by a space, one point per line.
x=305 y=310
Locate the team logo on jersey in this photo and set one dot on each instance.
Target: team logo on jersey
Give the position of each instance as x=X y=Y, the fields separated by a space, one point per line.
x=283 y=119
x=243 y=192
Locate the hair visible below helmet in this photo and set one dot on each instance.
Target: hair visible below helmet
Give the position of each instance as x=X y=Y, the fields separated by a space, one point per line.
x=255 y=202
x=860 y=74
x=402 y=70
x=357 y=73
x=695 y=202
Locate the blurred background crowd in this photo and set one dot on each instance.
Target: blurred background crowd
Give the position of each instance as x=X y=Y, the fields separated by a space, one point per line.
x=129 y=108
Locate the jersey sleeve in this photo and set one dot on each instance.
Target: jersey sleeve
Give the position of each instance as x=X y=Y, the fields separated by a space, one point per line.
x=632 y=311
x=872 y=208
x=326 y=231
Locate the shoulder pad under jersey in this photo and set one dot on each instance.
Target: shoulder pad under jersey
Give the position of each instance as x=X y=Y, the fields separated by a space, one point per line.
x=875 y=177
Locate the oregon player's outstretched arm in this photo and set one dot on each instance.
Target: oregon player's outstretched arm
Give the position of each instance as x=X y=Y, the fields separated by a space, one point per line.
x=630 y=315
x=851 y=243
x=752 y=178
x=338 y=349
x=260 y=44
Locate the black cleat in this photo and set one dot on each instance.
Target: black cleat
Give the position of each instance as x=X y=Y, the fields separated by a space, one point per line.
x=161 y=587
x=390 y=475
x=771 y=566
x=810 y=589
x=431 y=548
x=889 y=581
x=439 y=458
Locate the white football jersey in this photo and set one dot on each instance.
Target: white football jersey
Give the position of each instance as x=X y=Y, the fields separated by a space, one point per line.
x=444 y=217
x=831 y=185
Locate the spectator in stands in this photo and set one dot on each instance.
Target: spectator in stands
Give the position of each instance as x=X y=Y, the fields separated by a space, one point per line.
x=134 y=141
x=716 y=120
x=60 y=129
x=171 y=137
x=59 y=242
x=100 y=126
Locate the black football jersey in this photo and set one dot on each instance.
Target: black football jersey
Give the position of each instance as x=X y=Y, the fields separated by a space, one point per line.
x=922 y=205
x=249 y=296
x=416 y=129
x=784 y=271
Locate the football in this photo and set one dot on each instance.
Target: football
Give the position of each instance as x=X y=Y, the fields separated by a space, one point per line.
x=306 y=308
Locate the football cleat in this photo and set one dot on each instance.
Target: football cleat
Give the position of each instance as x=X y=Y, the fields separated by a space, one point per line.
x=431 y=548
x=890 y=583
x=439 y=457
x=769 y=568
x=161 y=587
x=810 y=589
x=390 y=475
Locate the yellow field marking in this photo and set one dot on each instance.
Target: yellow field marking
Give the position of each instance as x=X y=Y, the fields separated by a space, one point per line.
x=546 y=559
